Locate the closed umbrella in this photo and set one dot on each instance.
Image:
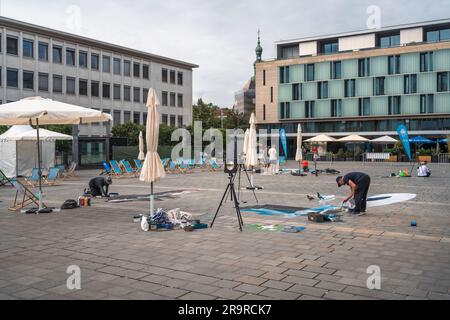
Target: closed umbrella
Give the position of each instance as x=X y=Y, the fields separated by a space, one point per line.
x=141 y=147
x=39 y=111
x=246 y=135
x=152 y=170
x=251 y=159
x=299 y=153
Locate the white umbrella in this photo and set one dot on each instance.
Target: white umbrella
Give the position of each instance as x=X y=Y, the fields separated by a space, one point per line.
x=353 y=138
x=27 y=133
x=246 y=135
x=251 y=159
x=321 y=138
x=384 y=140
x=299 y=153
x=39 y=111
x=152 y=170
x=141 y=147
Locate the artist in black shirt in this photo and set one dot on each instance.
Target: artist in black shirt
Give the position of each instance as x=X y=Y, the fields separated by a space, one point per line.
x=359 y=183
x=99 y=186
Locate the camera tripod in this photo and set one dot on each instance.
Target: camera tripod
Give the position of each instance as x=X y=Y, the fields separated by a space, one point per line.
x=242 y=168
x=230 y=191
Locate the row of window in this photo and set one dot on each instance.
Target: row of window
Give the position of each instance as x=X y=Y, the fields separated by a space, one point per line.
x=170 y=120
x=118 y=67
x=12 y=81
x=364 y=68
x=394 y=107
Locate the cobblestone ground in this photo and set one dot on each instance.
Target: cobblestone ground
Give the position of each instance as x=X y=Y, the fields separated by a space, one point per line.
x=326 y=261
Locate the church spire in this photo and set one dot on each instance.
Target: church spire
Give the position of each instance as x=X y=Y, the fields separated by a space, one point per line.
x=259 y=51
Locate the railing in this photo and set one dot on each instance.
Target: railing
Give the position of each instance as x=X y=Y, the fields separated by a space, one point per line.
x=444 y=158
x=376 y=157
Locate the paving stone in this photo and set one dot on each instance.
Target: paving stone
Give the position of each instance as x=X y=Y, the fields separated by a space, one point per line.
x=173 y=293
x=228 y=294
x=29 y=294
x=277 y=284
x=306 y=290
x=249 y=288
x=330 y=286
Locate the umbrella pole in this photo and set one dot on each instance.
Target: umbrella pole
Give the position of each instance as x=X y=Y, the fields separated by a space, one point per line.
x=152 y=209
x=39 y=165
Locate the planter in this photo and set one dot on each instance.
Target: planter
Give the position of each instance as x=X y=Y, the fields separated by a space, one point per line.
x=393 y=159
x=424 y=158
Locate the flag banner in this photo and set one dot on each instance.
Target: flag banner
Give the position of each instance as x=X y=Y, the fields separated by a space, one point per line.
x=404 y=137
x=283 y=139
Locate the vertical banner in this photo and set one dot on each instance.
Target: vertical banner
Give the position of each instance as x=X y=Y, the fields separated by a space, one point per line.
x=404 y=137
x=283 y=139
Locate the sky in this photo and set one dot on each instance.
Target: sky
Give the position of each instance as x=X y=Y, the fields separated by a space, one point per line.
x=220 y=36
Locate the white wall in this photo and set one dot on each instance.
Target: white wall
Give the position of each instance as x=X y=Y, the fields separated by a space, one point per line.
x=357 y=42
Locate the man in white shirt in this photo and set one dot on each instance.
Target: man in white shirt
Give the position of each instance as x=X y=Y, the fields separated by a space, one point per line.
x=423 y=170
x=273 y=159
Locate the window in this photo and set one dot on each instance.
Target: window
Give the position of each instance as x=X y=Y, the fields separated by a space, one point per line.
x=173 y=119
x=290 y=52
x=394 y=105
x=70 y=57
x=364 y=67
x=410 y=83
x=284 y=75
x=28 y=80
x=180 y=78
x=117 y=94
x=264 y=77
x=95 y=89
x=364 y=107
x=350 y=90
x=137 y=94
x=12 y=46
x=394 y=64
x=106 y=61
x=165 y=98
x=443 y=81
x=137 y=70
x=180 y=121
x=83 y=87
x=297 y=91
x=43 y=51
x=389 y=40
x=309 y=109
x=70 y=85
x=57 y=84
x=137 y=117
x=82 y=59
x=379 y=86
x=180 y=103
x=127 y=68
x=309 y=72
x=322 y=90
x=164 y=118
x=426 y=103
x=336 y=70
x=94 y=61
x=12 y=78
x=336 y=108
x=164 y=75
x=28 y=48
x=438 y=35
x=426 y=61
x=271 y=94
x=172 y=99
x=146 y=71
x=117 y=66
x=285 y=110
x=264 y=112
x=144 y=95
x=116 y=116
x=127 y=93
x=106 y=90
x=126 y=116
x=43 y=82
x=329 y=47
x=57 y=55
x=172 y=77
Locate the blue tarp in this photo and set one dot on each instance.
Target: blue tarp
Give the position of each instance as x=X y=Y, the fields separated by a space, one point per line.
x=420 y=140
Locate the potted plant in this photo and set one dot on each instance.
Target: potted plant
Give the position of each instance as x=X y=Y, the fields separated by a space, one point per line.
x=424 y=155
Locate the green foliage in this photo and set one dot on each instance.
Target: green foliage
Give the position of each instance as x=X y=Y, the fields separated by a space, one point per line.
x=128 y=130
x=425 y=152
x=64 y=146
x=206 y=114
x=235 y=120
x=165 y=135
x=3 y=129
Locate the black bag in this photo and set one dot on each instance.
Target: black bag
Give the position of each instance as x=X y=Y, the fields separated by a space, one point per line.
x=70 y=204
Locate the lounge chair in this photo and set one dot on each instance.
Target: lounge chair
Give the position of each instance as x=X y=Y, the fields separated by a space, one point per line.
x=116 y=169
x=214 y=166
x=33 y=180
x=4 y=180
x=70 y=173
x=52 y=177
x=128 y=169
x=27 y=199
x=172 y=167
x=185 y=167
x=106 y=169
x=138 y=164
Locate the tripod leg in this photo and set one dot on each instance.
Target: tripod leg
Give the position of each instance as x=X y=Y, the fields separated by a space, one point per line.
x=254 y=193
x=239 y=184
x=238 y=210
x=220 y=205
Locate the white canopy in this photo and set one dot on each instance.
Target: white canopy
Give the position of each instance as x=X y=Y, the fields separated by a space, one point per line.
x=251 y=158
x=48 y=111
x=354 y=138
x=385 y=139
x=321 y=138
x=27 y=133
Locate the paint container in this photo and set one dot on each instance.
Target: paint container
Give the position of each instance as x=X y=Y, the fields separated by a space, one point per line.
x=413 y=223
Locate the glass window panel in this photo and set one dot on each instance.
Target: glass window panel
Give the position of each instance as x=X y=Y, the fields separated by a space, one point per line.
x=28 y=48
x=28 y=80
x=43 y=51
x=106 y=64
x=57 y=84
x=127 y=68
x=12 y=46
x=57 y=54
x=12 y=78
x=43 y=82
x=94 y=61
x=70 y=57
x=82 y=59
x=70 y=85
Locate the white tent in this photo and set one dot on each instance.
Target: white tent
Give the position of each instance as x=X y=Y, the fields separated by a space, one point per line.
x=18 y=150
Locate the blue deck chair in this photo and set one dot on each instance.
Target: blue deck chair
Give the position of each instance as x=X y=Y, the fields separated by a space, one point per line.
x=117 y=170
x=4 y=180
x=106 y=168
x=172 y=167
x=282 y=161
x=52 y=177
x=138 y=164
x=185 y=166
x=33 y=180
x=128 y=169
x=214 y=165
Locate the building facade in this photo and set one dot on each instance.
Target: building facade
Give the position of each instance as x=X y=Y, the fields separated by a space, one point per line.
x=364 y=83
x=37 y=61
x=245 y=98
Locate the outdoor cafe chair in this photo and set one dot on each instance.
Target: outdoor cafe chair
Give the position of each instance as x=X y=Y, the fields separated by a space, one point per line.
x=27 y=198
x=33 y=180
x=52 y=177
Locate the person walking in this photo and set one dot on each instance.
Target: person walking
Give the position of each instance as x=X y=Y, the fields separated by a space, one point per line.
x=273 y=159
x=359 y=184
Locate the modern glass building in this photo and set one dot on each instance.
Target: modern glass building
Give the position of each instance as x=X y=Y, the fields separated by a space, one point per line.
x=364 y=83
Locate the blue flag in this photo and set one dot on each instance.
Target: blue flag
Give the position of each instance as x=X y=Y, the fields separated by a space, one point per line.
x=403 y=134
x=284 y=141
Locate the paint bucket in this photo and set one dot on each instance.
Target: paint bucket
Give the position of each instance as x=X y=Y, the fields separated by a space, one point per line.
x=413 y=223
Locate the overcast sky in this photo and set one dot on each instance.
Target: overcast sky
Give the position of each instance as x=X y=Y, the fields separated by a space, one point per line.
x=218 y=35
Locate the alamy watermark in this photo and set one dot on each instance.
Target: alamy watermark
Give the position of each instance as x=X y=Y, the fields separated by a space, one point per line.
x=374 y=280
x=374 y=18
x=74 y=280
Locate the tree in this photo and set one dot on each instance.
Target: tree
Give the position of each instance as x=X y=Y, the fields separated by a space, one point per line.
x=128 y=130
x=3 y=129
x=206 y=113
x=236 y=120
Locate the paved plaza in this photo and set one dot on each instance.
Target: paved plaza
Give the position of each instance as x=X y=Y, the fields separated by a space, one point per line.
x=325 y=261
